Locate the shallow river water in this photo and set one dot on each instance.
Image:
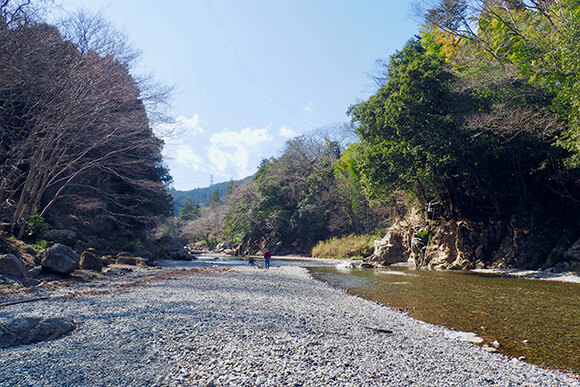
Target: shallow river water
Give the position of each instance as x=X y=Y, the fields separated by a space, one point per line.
x=536 y=319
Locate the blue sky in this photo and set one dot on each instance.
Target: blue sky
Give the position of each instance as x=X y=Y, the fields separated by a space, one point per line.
x=250 y=74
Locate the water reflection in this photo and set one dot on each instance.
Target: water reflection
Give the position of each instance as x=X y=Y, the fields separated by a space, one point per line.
x=539 y=320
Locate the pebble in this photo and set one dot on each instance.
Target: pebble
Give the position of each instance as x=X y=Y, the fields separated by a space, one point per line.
x=247 y=327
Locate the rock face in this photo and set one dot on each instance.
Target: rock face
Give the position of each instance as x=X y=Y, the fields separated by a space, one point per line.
x=447 y=248
x=89 y=261
x=60 y=259
x=396 y=245
x=392 y=248
x=11 y=265
x=521 y=240
x=573 y=253
x=30 y=330
x=66 y=237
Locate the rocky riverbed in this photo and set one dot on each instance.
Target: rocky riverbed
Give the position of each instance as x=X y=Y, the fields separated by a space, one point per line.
x=249 y=326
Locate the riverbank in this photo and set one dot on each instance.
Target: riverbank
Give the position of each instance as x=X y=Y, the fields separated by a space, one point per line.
x=250 y=326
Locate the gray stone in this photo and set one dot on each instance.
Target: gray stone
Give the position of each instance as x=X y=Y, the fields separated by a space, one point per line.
x=181 y=255
x=561 y=267
x=60 y=259
x=35 y=271
x=30 y=330
x=391 y=249
x=89 y=261
x=31 y=282
x=10 y=264
x=67 y=237
x=573 y=253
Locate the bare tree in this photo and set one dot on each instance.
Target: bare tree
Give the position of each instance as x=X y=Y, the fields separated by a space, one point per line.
x=72 y=121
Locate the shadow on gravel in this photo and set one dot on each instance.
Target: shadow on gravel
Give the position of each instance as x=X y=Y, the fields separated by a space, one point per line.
x=28 y=330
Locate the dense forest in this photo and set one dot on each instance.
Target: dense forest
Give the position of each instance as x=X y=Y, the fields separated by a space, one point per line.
x=77 y=151
x=472 y=140
x=202 y=196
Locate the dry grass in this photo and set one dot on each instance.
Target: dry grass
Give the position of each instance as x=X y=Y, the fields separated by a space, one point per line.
x=350 y=246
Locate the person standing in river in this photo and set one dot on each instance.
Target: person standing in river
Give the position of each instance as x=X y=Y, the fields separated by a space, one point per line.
x=267 y=256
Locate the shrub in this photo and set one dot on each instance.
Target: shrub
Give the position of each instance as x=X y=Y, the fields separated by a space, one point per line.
x=37 y=247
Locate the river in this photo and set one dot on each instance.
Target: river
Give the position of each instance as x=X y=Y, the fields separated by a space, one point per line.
x=536 y=319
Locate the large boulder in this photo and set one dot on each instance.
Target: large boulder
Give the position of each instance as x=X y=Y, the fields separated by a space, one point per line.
x=60 y=259
x=391 y=249
x=28 y=330
x=11 y=265
x=66 y=237
x=573 y=253
x=222 y=247
x=181 y=255
x=89 y=261
x=130 y=260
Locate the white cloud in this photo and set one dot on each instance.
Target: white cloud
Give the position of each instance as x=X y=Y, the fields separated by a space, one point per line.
x=182 y=126
x=246 y=137
x=308 y=108
x=185 y=155
x=287 y=132
x=193 y=153
x=239 y=152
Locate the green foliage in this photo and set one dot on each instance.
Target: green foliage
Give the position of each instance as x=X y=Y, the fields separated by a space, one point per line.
x=535 y=42
x=215 y=198
x=37 y=247
x=34 y=225
x=408 y=130
x=189 y=209
x=423 y=236
x=478 y=139
x=202 y=196
x=303 y=197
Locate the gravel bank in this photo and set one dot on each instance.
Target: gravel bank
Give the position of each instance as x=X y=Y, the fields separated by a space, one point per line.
x=250 y=327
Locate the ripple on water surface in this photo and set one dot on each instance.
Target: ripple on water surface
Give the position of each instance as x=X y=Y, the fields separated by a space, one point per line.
x=536 y=319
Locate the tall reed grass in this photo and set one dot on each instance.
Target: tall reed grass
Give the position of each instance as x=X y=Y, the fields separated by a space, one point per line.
x=350 y=246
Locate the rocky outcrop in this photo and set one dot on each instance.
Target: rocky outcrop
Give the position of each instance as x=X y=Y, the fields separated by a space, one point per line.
x=392 y=248
x=11 y=265
x=90 y=261
x=396 y=244
x=448 y=248
x=30 y=330
x=572 y=256
x=573 y=253
x=525 y=240
x=228 y=248
x=59 y=259
x=181 y=255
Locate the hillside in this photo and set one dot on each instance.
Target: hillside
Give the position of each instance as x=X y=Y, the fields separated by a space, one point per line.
x=202 y=196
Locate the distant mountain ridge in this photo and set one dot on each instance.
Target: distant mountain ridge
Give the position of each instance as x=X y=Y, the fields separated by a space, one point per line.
x=202 y=196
